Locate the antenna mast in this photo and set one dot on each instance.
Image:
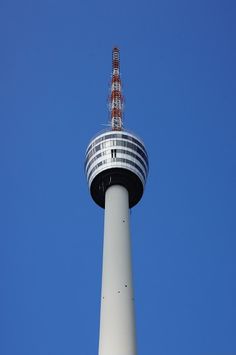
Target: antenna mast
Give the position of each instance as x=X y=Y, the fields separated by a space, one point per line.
x=116 y=98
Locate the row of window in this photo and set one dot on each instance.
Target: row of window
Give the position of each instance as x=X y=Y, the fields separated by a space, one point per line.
x=122 y=160
x=117 y=135
x=117 y=143
x=113 y=153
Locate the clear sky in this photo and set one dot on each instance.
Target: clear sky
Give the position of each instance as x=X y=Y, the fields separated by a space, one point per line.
x=179 y=74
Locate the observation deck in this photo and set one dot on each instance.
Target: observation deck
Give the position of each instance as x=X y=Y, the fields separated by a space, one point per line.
x=116 y=158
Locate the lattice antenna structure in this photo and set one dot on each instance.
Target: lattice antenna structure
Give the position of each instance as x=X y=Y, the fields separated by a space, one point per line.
x=115 y=97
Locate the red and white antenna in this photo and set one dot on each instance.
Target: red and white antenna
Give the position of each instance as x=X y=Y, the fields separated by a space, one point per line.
x=116 y=98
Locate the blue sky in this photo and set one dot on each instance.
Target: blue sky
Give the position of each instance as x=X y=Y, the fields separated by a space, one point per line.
x=179 y=78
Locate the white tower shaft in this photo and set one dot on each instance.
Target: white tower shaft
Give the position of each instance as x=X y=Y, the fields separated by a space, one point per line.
x=117 y=320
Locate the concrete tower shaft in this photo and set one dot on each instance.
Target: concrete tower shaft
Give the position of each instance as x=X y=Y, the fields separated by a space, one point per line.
x=117 y=322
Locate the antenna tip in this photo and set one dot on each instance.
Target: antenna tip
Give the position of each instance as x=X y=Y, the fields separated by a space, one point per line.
x=115 y=52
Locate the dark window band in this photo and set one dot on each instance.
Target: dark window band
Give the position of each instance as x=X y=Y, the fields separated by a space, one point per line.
x=117 y=135
x=117 y=160
x=122 y=151
x=122 y=143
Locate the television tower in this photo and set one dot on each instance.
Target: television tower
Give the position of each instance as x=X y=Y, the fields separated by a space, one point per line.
x=116 y=166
